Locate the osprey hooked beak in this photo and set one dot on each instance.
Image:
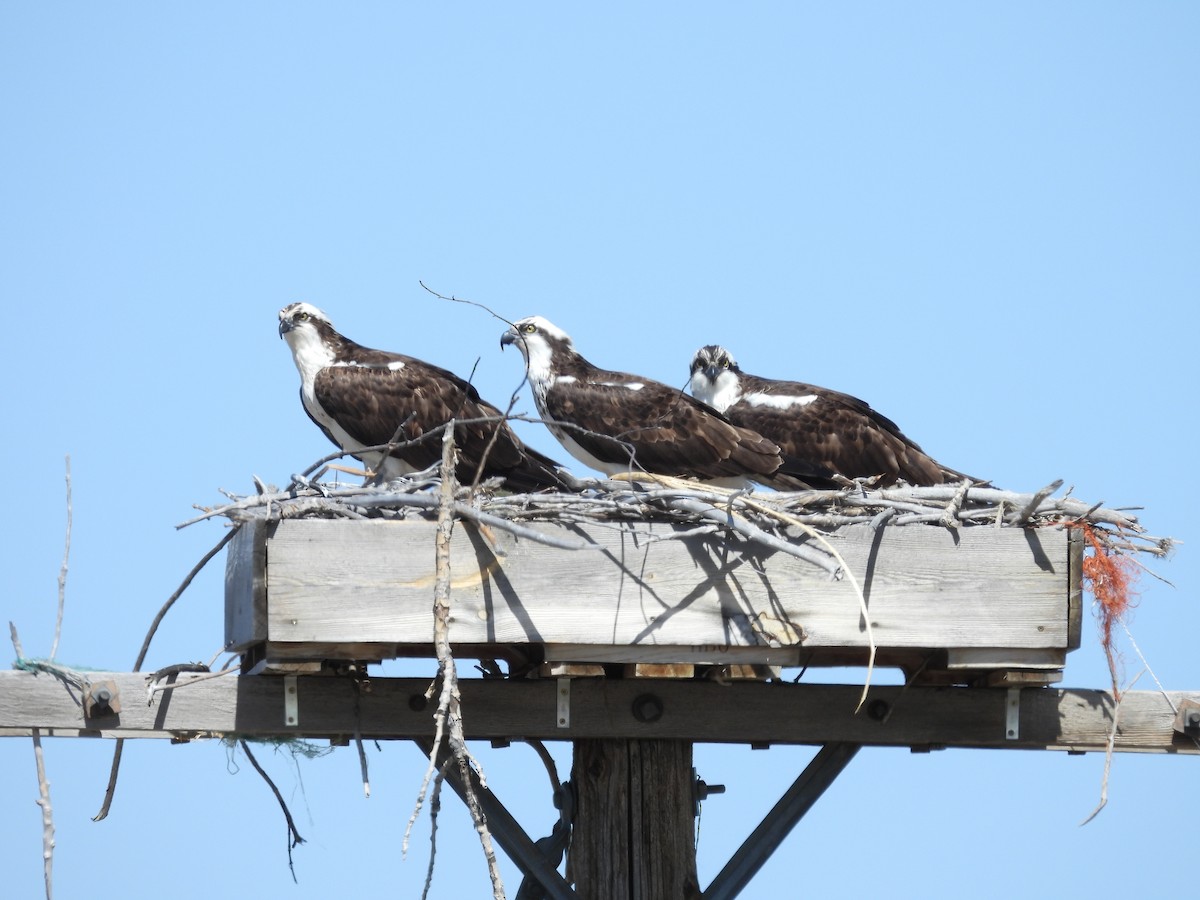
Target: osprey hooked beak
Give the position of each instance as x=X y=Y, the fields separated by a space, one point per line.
x=509 y=337
x=285 y=325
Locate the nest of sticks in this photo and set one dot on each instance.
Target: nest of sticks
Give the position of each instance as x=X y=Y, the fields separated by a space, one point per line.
x=785 y=521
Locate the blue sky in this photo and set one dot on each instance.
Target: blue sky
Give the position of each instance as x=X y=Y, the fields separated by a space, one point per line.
x=982 y=219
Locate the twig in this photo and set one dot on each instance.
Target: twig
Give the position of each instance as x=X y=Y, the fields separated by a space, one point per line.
x=362 y=764
x=440 y=626
x=62 y=572
x=155 y=688
x=1108 y=752
x=435 y=808
x=849 y=573
x=47 y=814
x=43 y=787
x=115 y=770
x=450 y=695
x=949 y=516
x=1035 y=501
x=293 y=836
x=448 y=720
x=358 y=742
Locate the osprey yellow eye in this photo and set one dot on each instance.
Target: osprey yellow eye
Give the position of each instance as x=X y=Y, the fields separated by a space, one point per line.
x=529 y=328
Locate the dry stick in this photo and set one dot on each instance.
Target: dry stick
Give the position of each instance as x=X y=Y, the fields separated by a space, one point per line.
x=195 y=679
x=120 y=745
x=1108 y=752
x=439 y=716
x=949 y=516
x=435 y=808
x=362 y=763
x=448 y=715
x=449 y=707
x=1035 y=501
x=685 y=498
x=1162 y=690
x=62 y=572
x=862 y=599
x=43 y=788
x=772 y=512
x=47 y=814
x=293 y=835
x=362 y=755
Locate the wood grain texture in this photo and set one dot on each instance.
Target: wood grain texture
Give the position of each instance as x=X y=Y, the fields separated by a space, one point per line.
x=245 y=587
x=690 y=600
x=634 y=835
x=738 y=712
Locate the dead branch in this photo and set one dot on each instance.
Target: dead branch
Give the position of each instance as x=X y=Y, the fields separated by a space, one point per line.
x=293 y=836
x=47 y=814
x=43 y=787
x=110 y=790
x=1031 y=506
x=448 y=715
x=62 y=572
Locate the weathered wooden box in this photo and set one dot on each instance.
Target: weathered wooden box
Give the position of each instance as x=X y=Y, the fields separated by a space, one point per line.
x=960 y=602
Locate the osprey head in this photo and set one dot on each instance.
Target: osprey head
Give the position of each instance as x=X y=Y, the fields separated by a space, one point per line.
x=538 y=340
x=300 y=316
x=715 y=377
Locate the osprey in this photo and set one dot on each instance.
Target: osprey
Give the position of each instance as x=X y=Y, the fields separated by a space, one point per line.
x=617 y=422
x=827 y=427
x=362 y=398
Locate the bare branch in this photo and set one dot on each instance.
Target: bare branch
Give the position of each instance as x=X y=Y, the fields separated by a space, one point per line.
x=1035 y=501
x=62 y=572
x=110 y=790
x=43 y=787
x=293 y=836
x=47 y=814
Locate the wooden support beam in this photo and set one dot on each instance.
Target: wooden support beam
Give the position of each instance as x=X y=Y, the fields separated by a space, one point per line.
x=634 y=834
x=506 y=830
x=697 y=711
x=778 y=823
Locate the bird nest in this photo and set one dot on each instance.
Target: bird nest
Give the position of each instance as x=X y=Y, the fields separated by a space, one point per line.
x=795 y=523
x=773 y=517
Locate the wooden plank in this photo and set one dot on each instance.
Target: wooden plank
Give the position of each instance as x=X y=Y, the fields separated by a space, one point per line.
x=245 y=587
x=660 y=670
x=1076 y=546
x=689 y=600
x=698 y=711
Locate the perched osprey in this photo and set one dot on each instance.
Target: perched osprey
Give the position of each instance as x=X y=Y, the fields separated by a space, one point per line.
x=616 y=422
x=814 y=423
x=361 y=398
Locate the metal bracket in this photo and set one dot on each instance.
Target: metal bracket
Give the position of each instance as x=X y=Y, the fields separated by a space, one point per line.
x=563 y=713
x=1012 y=714
x=291 y=702
x=1187 y=721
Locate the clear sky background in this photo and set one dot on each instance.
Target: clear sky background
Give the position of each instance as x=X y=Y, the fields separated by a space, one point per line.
x=983 y=219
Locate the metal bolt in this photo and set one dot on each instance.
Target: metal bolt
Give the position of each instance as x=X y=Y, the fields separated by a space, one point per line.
x=878 y=710
x=647 y=708
x=701 y=790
